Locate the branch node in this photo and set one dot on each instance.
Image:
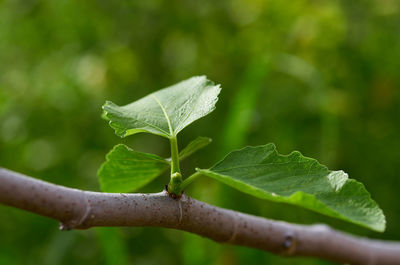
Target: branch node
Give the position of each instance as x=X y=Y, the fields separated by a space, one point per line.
x=180 y=213
x=289 y=244
x=173 y=195
x=88 y=209
x=235 y=228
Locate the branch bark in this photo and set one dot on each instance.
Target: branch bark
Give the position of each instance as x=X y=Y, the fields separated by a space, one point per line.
x=78 y=209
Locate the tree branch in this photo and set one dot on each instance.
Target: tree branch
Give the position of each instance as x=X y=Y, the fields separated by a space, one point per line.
x=84 y=209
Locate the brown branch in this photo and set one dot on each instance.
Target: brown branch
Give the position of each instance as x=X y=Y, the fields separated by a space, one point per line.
x=84 y=209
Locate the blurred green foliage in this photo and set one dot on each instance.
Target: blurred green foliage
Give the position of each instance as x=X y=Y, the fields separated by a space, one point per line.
x=317 y=76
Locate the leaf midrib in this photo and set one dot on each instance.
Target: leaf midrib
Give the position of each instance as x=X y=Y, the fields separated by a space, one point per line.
x=140 y=160
x=254 y=165
x=171 y=131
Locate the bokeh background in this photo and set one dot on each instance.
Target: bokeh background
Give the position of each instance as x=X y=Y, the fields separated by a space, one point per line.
x=318 y=76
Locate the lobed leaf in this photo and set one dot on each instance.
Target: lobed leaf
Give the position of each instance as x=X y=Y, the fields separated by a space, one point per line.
x=195 y=145
x=126 y=170
x=295 y=179
x=167 y=111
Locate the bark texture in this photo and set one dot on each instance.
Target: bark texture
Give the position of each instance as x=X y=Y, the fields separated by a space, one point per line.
x=78 y=209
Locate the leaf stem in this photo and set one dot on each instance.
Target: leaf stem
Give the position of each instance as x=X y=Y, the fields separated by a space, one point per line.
x=174 y=156
x=174 y=185
x=190 y=179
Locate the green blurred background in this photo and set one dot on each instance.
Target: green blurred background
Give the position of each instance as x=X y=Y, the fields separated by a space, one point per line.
x=321 y=77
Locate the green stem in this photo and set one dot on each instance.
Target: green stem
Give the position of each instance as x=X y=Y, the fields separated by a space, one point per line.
x=174 y=185
x=174 y=155
x=190 y=179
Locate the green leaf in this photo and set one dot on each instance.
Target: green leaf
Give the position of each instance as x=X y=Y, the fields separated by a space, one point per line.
x=126 y=170
x=194 y=146
x=295 y=179
x=167 y=111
